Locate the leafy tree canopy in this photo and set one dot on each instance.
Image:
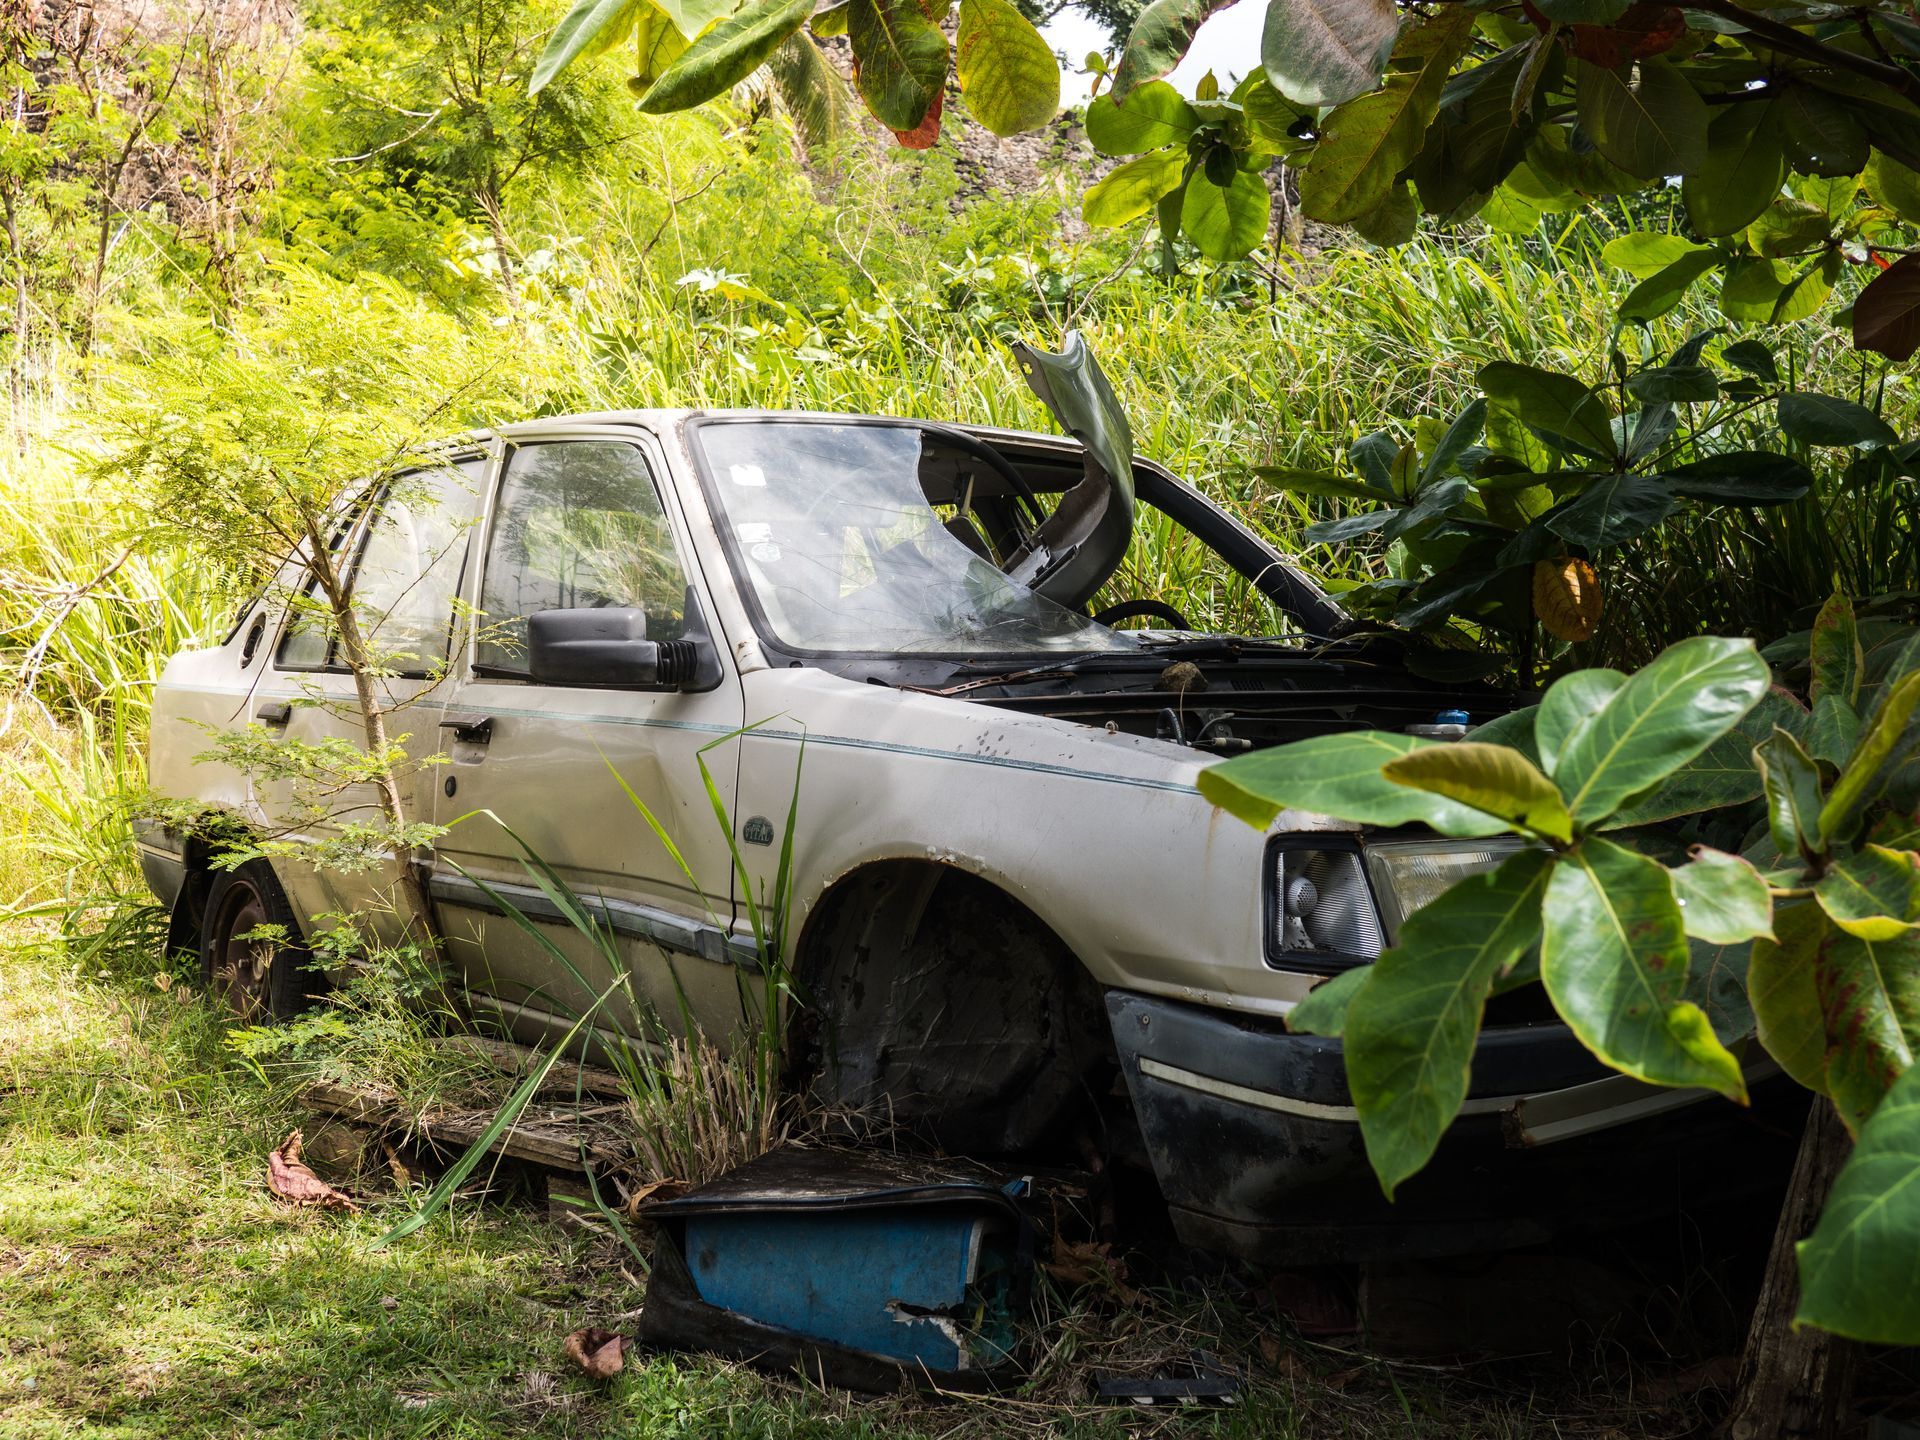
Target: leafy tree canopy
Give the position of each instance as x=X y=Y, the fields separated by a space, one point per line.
x=1772 y=120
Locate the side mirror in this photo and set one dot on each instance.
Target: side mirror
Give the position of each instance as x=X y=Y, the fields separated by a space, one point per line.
x=606 y=647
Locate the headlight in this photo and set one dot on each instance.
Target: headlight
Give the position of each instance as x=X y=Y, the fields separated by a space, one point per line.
x=1319 y=904
x=1329 y=901
x=1412 y=873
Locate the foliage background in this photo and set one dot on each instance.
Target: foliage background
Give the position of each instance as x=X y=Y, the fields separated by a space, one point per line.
x=179 y=180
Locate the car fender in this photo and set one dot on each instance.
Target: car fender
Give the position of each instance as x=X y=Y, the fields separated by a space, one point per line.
x=1102 y=835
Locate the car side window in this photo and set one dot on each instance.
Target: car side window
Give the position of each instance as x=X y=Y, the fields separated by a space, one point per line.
x=579 y=526
x=407 y=574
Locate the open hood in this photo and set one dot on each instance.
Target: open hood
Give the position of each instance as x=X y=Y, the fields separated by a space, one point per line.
x=1084 y=540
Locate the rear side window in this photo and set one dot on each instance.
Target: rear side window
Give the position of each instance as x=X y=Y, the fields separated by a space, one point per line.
x=579 y=526
x=406 y=576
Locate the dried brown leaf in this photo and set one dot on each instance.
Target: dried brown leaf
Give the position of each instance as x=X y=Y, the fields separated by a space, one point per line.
x=290 y=1179
x=1091 y=1262
x=652 y=1190
x=600 y=1354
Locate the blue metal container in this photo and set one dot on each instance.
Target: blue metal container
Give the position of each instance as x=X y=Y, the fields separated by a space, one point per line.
x=866 y=1269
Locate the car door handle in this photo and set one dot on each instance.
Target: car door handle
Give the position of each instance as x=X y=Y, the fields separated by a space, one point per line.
x=474 y=729
x=274 y=713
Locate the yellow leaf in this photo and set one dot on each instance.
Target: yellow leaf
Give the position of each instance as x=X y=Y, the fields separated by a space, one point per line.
x=1566 y=597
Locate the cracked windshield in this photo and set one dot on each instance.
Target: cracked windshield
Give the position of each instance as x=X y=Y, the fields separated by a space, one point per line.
x=835 y=536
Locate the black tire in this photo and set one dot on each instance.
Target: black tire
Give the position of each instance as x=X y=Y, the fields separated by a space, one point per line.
x=260 y=981
x=937 y=1003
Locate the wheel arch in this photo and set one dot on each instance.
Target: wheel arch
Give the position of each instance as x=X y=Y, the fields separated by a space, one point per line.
x=876 y=909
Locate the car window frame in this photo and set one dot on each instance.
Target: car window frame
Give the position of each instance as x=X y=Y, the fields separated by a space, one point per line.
x=645 y=445
x=356 y=531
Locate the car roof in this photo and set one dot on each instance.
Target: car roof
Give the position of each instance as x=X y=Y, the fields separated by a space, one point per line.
x=669 y=419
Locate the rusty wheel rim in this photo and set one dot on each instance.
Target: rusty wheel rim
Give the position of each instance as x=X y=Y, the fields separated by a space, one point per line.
x=242 y=968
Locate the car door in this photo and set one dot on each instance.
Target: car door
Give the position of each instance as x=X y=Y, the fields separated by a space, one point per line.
x=410 y=550
x=580 y=522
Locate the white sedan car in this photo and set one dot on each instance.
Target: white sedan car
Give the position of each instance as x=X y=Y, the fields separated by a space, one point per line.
x=1017 y=926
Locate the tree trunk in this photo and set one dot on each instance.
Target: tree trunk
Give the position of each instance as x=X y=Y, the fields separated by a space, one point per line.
x=1796 y=1384
x=416 y=901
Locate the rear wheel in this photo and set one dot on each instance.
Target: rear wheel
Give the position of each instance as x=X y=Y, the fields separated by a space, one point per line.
x=936 y=1002
x=250 y=951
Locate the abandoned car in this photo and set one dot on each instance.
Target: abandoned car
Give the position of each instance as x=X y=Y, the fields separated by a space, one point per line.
x=1016 y=926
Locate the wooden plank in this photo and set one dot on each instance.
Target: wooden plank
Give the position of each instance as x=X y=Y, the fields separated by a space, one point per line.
x=546 y=1135
x=564 y=1078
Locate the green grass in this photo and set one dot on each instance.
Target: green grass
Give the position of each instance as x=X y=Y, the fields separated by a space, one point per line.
x=151 y=1286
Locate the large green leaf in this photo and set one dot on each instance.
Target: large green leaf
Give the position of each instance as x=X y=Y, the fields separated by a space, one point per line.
x=813 y=91
x=1571 y=702
x=1723 y=899
x=1612 y=510
x=1835 y=652
x=1393 y=221
x=1870 y=1004
x=1786 y=1000
x=900 y=55
x=1336 y=775
x=726 y=54
x=1646 y=119
x=1326 y=52
x=1874 y=894
x=1717 y=983
x=1665 y=715
x=1158 y=40
x=1894 y=186
x=1134 y=188
x=1155 y=115
x=1550 y=401
x=1741 y=173
x=1645 y=253
x=1856 y=1267
x=1660 y=292
x=1365 y=143
x=1742 y=477
x=1614 y=959
x=1325 y=1010
x=1834 y=730
x=1462 y=432
x=589 y=25
x=1410 y=1031
x=1886 y=728
x=1792 y=786
x=1821 y=134
x=692 y=17
x=1817 y=419
x=1226 y=222
x=1723 y=774
x=1775 y=292
x=1515 y=728
x=1007 y=71
x=1674 y=385
x=1492 y=778
x=1754 y=359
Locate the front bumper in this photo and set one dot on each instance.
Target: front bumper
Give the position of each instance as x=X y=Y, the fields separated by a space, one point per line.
x=1254 y=1139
